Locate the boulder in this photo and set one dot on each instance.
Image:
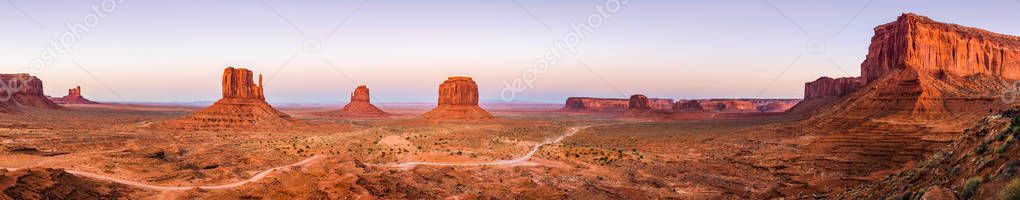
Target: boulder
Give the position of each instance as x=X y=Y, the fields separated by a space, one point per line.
x=458 y=100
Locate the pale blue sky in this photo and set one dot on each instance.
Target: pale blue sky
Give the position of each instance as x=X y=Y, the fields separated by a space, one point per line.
x=175 y=50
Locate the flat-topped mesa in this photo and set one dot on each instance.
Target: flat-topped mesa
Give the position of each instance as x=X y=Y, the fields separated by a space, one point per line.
x=458 y=100
x=239 y=83
x=829 y=87
x=73 y=97
x=688 y=106
x=243 y=106
x=360 y=106
x=588 y=104
x=919 y=44
x=17 y=90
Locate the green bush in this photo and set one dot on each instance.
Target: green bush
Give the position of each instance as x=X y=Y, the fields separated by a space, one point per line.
x=970 y=187
x=1011 y=191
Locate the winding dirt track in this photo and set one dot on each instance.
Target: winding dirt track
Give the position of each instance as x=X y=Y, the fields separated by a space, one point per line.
x=262 y=174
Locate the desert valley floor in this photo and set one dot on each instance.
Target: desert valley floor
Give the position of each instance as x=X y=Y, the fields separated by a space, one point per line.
x=606 y=157
x=932 y=116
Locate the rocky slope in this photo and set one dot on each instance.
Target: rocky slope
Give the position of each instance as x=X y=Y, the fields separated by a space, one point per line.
x=923 y=89
x=57 y=184
x=73 y=97
x=22 y=90
x=458 y=100
x=243 y=106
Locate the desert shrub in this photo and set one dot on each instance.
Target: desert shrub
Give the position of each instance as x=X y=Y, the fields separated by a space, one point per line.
x=981 y=149
x=970 y=187
x=1010 y=168
x=1005 y=145
x=1011 y=191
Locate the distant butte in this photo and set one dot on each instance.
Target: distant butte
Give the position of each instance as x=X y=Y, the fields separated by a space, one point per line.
x=588 y=104
x=73 y=97
x=458 y=100
x=22 y=90
x=243 y=106
x=359 y=106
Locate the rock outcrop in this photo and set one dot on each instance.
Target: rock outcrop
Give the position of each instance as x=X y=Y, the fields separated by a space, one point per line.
x=73 y=97
x=243 y=106
x=23 y=90
x=688 y=106
x=588 y=104
x=458 y=100
x=829 y=87
x=360 y=106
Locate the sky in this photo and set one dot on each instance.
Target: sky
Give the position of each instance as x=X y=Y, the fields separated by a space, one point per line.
x=175 y=50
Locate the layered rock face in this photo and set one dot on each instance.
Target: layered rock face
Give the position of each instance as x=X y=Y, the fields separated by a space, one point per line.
x=829 y=87
x=17 y=90
x=73 y=97
x=734 y=105
x=924 y=84
x=360 y=105
x=922 y=45
x=243 y=106
x=458 y=100
x=588 y=104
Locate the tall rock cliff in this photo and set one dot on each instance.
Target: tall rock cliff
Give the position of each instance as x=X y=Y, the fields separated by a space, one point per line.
x=919 y=44
x=243 y=106
x=925 y=83
x=458 y=100
x=22 y=90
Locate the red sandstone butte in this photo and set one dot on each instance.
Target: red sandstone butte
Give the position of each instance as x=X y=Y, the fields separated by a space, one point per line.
x=458 y=100
x=23 y=90
x=243 y=106
x=640 y=106
x=73 y=97
x=360 y=105
x=923 y=68
x=829 y=87
x=588 y=104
